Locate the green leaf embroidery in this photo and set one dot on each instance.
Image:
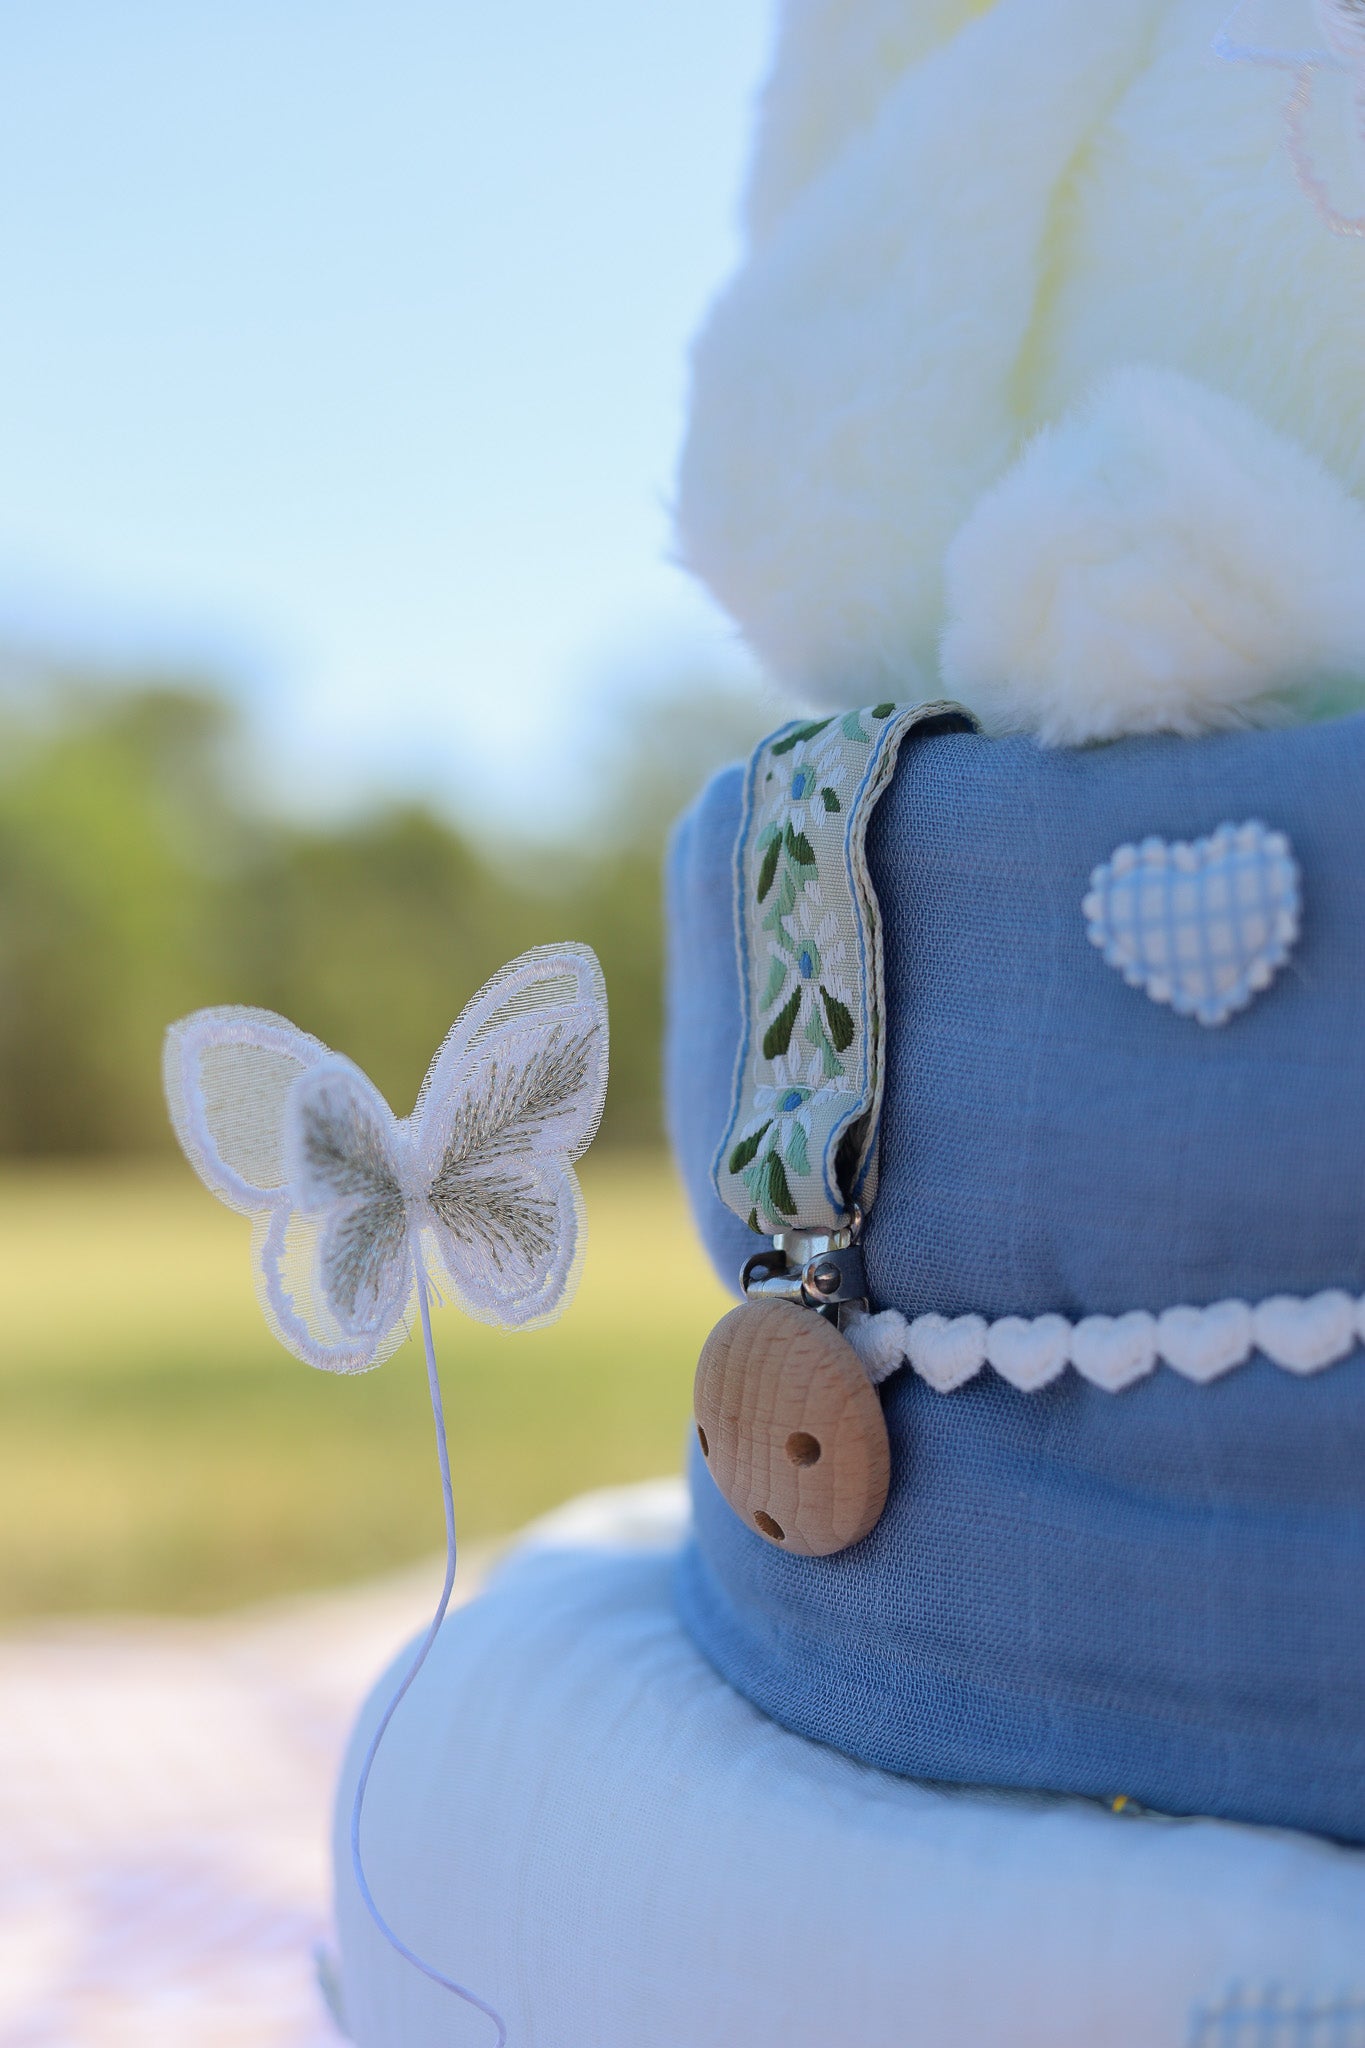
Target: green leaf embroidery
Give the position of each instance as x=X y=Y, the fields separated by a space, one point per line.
x=781 y=907
x=754 y=1223
x=779 y=1201
x=839 y=1019
x=777 y=979
x=746 y=1151
x=769 y=868
x=882 y=710
x=801 y=734
x=778 y=1035
x=800 y=848
x=798 y=1158
x=830 y=800
x=816 y=1035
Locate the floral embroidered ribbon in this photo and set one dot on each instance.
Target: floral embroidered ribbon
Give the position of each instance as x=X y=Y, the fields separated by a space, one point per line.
x=800 y=1146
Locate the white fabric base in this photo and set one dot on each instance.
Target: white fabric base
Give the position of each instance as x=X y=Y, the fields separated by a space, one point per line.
x=574 y=1814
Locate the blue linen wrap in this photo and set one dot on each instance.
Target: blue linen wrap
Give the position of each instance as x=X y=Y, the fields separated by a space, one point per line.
x=1157 y=1593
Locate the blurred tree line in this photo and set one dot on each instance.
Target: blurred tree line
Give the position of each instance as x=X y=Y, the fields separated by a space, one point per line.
x=139 y=879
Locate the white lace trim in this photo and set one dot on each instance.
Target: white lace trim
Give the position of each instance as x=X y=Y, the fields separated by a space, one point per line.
x=1301 y=1335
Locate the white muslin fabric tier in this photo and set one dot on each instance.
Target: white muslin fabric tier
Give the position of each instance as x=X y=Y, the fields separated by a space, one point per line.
x=576 y=1816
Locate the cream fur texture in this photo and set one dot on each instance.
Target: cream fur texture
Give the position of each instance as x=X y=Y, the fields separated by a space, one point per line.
x=1159 y=561
x=1037 y=353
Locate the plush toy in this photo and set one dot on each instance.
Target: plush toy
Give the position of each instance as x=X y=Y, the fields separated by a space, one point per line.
x=1039 y=385
x=1016 y=1068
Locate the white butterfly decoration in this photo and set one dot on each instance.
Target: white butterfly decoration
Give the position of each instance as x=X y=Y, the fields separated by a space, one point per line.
x=355 y=1209
x=358 y=1213
x=1341 y=24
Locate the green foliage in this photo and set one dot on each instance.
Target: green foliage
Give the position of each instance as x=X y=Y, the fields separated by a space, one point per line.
x=158 y=1450
x=113 y=829
x=138 y=881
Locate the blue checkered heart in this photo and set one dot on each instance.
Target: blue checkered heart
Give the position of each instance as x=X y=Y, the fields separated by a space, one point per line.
x=1202 y=925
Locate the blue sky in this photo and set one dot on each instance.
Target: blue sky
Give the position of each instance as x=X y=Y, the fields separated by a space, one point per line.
x=342 y=350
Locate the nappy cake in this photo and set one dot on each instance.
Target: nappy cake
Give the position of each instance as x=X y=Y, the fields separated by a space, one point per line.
x=1017 y=986
x=1015 y=1067
x=1143 y=1578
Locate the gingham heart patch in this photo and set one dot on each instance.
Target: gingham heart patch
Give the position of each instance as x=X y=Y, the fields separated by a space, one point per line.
x=1203 y=925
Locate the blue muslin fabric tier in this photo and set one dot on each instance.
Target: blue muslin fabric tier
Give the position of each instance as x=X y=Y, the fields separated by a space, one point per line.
x=1159 y=1592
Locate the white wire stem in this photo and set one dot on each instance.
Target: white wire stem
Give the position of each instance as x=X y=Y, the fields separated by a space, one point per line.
x=395 y=1941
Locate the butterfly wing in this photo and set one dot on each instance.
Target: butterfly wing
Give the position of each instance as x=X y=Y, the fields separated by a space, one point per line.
x=228 y=1073
x=335 y=1266
x=282 y=1129
x=513 y=1097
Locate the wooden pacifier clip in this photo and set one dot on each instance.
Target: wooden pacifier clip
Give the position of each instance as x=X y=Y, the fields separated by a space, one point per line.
x=789 y=1422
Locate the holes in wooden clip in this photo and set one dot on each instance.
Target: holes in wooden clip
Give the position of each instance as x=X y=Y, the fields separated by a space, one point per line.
x=791 y=1428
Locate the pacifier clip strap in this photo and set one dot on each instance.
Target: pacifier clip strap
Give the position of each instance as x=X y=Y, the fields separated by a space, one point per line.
x=800 y=1148
x=787 y=1418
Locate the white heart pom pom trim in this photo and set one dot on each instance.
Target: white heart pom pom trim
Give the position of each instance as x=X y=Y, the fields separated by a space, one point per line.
x=1202 y=925
x=946 y=1353
x=1029 y=1354
x=1204 y=1343
x=1112 y=1352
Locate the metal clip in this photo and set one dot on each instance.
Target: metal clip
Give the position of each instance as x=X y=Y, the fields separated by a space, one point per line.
x=817 y=1269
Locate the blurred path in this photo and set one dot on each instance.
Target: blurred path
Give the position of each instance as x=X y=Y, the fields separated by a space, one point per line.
x=165 y=1792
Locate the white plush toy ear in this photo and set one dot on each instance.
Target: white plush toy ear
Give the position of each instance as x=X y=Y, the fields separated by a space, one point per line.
x=835 y=62
x=1158 y=561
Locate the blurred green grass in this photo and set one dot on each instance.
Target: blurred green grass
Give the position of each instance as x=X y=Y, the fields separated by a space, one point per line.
x=159 y=1451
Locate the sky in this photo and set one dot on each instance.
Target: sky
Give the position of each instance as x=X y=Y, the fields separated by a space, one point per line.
x=342 y=357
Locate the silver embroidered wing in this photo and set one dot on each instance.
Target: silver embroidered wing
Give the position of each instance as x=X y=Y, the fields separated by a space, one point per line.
x=294 y=1136
x=346 y=1198
x=512 y=1098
